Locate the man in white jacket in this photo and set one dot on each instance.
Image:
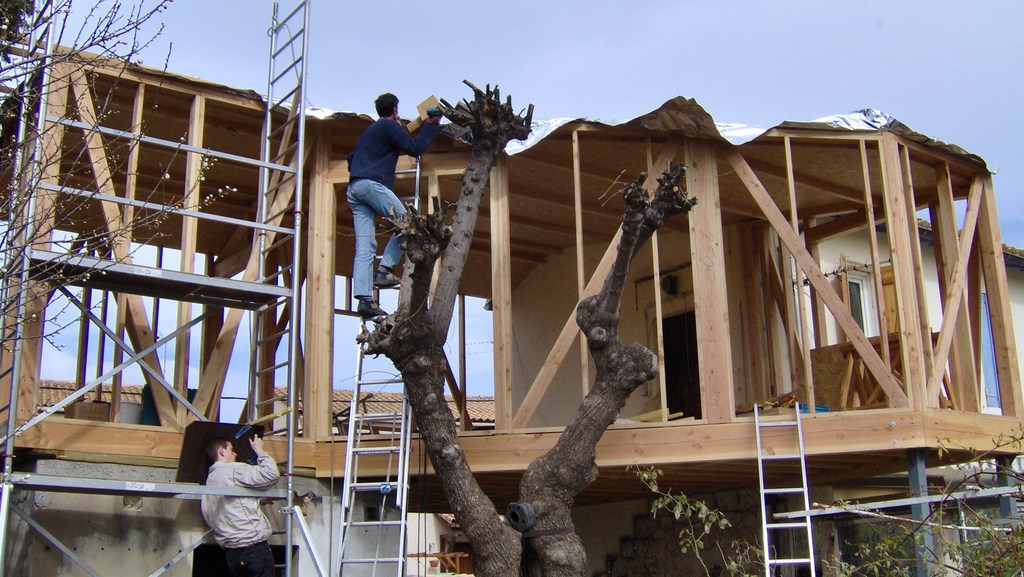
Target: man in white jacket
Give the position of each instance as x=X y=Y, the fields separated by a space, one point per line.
x=239 y=526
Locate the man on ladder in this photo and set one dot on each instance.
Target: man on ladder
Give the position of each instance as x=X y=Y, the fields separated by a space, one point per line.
x=371 y=194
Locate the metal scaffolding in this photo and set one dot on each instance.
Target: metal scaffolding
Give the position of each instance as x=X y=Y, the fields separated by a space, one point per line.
x=272 y=295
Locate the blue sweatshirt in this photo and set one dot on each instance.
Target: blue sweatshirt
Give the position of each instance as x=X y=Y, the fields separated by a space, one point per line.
x=376 y=153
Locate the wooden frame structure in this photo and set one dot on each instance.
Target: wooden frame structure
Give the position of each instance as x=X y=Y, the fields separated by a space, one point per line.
x=747 y=259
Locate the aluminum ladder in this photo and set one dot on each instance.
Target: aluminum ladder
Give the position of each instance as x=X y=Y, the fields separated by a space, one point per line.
x=373 y=531
x=775 y=485
x=381 y=436
x=279 y=246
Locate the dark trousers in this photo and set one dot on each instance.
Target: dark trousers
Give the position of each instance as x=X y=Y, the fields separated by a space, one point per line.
x=253 y=561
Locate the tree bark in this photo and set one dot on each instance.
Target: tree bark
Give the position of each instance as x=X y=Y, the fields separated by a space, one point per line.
x=413 y=338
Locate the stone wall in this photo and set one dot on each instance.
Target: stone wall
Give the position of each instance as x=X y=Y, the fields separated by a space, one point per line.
x=651 y=548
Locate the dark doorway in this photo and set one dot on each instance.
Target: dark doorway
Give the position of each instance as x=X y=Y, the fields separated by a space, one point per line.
x=682 y=379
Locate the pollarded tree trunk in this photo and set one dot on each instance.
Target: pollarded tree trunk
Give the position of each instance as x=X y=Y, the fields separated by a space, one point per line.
x=413 y=338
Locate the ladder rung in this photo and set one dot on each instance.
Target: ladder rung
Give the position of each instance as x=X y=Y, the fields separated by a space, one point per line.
x=282 y=99
x=271 y=369
x=286 y=177
x=289 y=207
x=786 y=525
x=778 y=424
x=285 y=153
x=272 y=400
x=783 y=490
x=793 y=561
x=780 y=457
x=390 y=485
x=380 y=560
x=376 y=450
x=372 y=417
x=394 y=523
x=394 y=381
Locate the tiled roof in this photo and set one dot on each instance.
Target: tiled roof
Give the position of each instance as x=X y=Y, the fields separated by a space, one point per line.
x=481 y=409
x=52 y=392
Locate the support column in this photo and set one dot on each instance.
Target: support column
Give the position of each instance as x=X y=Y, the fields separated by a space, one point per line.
x=316 y=386
x=501 y=295
x=918 y=479
x=1005 y=476
x=714 y=350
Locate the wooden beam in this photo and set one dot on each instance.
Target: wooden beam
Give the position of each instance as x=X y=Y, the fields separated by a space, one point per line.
x=189 y=230
x=955 y=292
x=319 y=342
x=947 y=245
x=659 y=313
x=570 y=329
x=876 y=264
x=501 y=294
x=1000 y=311
x=899 y=230
x=707 y=253
x=897 y=397
x=138 y=327
x=801 y=304
x=581 y=284
x=915 y=251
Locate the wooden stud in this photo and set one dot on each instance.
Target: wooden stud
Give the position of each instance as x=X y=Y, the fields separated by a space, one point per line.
x=915 y=251
x=581 y=284
x=962 y=362
x=839 y=310
x=319 y=339
x=501 y=294
x=876 y=265
x=1000 y=313
x=659 y=313
x=189 y=231
x=955 y=292
x=801 y=308
x=897 y=221
x=714 y=349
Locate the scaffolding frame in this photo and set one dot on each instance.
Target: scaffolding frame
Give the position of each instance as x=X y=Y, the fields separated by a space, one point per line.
x=262 y=294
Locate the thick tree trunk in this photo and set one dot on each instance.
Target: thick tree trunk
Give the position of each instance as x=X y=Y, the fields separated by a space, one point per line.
x=413 y=338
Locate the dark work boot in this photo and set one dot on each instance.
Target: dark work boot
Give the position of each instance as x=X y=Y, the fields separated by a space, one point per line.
x=368 y=309
x=383 y=279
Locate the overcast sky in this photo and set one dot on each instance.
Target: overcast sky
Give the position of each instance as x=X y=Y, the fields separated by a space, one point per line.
x=949 y=69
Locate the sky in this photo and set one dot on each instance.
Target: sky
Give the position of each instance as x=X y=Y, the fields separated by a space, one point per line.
x=950 y=70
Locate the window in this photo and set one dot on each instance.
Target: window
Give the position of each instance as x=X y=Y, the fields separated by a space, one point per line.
x=989 y=375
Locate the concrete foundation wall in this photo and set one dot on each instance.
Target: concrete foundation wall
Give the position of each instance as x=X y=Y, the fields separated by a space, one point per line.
x=126 y=535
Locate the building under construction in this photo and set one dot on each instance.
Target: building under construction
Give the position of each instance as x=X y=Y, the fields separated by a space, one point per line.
x=802 y=272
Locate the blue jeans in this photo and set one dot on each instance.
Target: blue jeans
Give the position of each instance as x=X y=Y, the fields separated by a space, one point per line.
x=252 y=561
x=369 y=199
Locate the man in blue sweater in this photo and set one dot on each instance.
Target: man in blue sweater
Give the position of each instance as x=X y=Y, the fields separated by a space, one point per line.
x=371 y=167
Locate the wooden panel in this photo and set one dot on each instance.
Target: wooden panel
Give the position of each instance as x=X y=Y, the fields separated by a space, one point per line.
x=707 y=253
